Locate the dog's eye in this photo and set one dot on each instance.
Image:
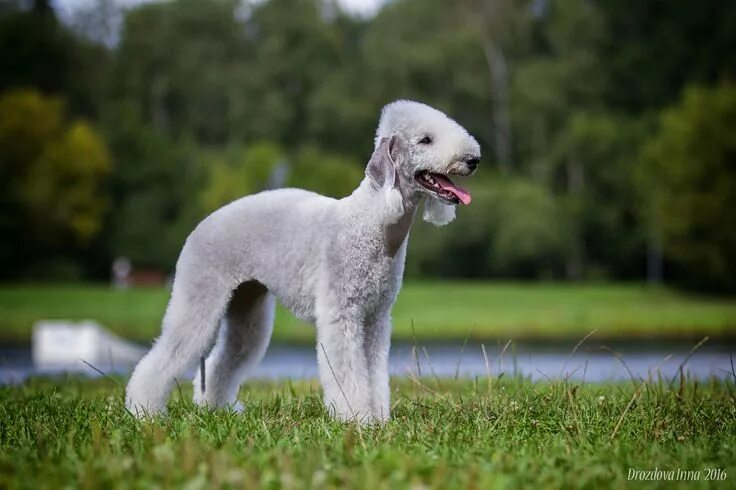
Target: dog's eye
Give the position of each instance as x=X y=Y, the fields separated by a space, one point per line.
x=427 y=140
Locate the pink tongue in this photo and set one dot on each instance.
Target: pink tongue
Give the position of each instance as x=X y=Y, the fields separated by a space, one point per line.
x=447 y=185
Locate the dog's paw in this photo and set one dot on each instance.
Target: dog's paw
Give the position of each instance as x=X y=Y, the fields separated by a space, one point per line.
x=145 y=412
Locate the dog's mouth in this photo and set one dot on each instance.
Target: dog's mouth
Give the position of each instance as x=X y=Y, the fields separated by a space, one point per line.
x=442 y=187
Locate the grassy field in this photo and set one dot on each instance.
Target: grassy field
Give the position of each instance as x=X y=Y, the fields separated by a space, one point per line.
x=439 y=310
x=487 y=433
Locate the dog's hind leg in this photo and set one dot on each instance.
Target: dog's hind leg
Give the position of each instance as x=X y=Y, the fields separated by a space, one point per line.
x=244 y=336
x=198 y=300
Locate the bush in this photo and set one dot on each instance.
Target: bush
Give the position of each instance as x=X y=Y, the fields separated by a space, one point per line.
x=53 y=176
x=325 y=173
x=688 y=183
x=513 y=227
x=237 y=172
x=154 y=190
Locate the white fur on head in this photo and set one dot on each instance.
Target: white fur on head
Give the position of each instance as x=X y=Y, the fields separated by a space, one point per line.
x=413 y=121
x=450 y=143
x=381 y=171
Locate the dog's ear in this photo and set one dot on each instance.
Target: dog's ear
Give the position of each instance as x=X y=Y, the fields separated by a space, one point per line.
x=382 y=167
x=397 y=150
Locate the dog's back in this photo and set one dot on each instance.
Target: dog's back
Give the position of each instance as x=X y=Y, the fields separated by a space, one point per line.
x=246 y=239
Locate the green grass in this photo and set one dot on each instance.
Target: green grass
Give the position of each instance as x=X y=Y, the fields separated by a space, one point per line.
x=487 y=433
x=438 y=310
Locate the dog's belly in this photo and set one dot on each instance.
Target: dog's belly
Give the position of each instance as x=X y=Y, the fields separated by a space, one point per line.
x=303 y=310
x=295 y=292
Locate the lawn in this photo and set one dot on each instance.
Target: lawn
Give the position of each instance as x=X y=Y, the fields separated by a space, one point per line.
x=487 y=433
x=436 y=310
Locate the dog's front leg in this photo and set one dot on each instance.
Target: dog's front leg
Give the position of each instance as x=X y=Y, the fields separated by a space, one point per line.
x=343 y=368
x=376 y=346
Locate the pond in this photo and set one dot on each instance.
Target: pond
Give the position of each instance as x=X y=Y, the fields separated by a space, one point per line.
x=593 y=361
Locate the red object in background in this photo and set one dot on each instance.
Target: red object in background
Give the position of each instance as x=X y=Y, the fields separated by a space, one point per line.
x=146 y=277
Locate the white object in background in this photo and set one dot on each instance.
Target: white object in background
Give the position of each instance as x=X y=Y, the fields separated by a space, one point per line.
x=65 y=344
x=121 y=268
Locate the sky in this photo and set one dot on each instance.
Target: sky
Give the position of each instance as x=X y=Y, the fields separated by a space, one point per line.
x=364 y=8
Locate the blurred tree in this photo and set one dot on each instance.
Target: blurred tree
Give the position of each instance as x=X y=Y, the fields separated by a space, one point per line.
x=237 y=172
x=62 y=189
x=688 y=183
x=294 y=49
x=556 y=94
x=423 y=50
x=153 y=191
x=53 y=174
x=341 y=107
x=653 y=49
x=560 y=77
x=98 y=21
x=37 y=51
x=595 y=155
x=504 y=28
x=188 y=92
x=530 y=231
x=513 y=228
x=325 y=173
x=177 y=62
x=28 y=123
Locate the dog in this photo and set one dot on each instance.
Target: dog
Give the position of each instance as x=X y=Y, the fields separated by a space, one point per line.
x=335 y=263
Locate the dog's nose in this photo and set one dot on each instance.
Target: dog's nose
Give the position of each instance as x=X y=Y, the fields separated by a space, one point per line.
x=472 y=161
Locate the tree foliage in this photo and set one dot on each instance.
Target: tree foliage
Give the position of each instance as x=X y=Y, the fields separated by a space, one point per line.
x=53 y=176
x=689 y=179
x=200 y=102
x=327 y=174
x=238 y=171
x=63 y=187
x=153 y=191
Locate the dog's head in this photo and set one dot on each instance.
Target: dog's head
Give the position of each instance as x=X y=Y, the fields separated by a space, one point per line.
x=418 y=148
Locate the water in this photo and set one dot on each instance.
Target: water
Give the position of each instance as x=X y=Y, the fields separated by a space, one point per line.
x=538 y=360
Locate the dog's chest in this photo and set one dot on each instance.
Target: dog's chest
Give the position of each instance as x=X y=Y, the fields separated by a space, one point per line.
x=362 y=273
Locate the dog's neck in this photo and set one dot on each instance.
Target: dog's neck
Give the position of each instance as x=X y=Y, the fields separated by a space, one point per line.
x=395 y=234
x=396 y=229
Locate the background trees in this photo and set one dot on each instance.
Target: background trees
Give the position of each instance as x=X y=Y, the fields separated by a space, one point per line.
x=53 y=184
x=181 y=106
x=687 y=175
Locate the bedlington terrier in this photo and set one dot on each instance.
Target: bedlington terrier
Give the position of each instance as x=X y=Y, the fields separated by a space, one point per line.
x=335 y=263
